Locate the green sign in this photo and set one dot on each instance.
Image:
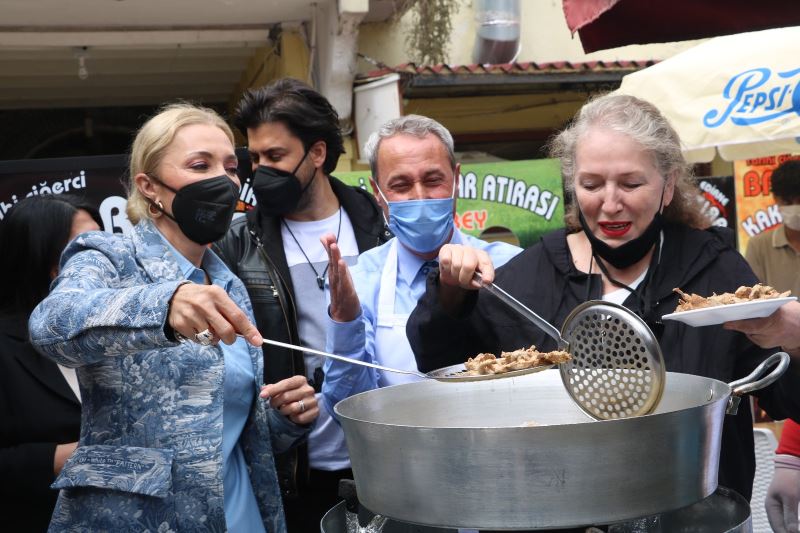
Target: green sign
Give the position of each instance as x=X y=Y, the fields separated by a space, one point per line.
x=514 y=201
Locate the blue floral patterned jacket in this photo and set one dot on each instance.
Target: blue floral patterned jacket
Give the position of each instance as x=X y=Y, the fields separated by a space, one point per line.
x=150 y=451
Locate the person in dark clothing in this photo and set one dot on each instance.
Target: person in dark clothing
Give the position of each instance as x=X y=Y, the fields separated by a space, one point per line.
x=634 y=232
x=40 y=410
x=294 y=142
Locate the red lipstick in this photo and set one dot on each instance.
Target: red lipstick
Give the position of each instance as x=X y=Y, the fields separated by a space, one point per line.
x=615 y=229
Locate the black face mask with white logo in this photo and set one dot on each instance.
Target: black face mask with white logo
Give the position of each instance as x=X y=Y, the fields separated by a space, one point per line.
x=204 y=209
x=277 y=191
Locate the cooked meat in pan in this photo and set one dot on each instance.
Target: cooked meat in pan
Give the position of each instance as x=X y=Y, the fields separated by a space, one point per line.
x=487 y=363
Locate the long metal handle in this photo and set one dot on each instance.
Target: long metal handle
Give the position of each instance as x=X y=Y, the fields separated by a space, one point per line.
x=343 y=358
x=523 y=310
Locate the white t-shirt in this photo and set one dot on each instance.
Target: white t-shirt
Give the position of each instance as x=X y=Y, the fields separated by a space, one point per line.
x=301 y=244
x=620 y=295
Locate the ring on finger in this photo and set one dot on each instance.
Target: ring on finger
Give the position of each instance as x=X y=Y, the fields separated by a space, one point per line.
x=302 y=406
x=205 y=337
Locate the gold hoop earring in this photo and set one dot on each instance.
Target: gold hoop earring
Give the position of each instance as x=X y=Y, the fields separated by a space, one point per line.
x=153 y=210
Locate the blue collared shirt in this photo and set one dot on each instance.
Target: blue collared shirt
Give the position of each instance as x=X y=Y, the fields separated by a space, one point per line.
x=241 y=507
x=356 y=338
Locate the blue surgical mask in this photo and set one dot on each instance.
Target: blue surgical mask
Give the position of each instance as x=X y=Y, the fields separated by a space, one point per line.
x=421 y=225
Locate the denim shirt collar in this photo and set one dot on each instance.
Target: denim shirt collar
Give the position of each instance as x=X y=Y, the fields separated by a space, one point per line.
x=211 y=264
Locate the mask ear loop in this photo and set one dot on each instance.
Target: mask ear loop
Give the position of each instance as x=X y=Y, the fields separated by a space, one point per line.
x=157 y=204
x=385 y=200
x=313 y=177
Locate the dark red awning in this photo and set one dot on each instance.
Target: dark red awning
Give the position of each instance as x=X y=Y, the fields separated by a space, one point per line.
x=605 y=24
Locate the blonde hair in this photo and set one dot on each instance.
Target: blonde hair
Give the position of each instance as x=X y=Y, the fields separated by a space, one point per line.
x=152 y=141
x=643 y=122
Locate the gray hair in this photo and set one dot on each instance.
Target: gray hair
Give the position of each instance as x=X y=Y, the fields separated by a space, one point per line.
x=415 y=125
x=643 y=123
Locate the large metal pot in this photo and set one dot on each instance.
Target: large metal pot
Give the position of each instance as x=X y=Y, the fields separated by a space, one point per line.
x=461 y=455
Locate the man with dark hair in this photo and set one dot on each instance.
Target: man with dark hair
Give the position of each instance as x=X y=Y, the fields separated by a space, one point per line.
x=775 y=255
x=294 y=142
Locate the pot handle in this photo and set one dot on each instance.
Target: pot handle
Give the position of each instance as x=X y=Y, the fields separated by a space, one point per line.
x=747 y=384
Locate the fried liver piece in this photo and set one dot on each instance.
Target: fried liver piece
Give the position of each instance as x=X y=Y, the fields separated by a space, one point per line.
x=487 y=363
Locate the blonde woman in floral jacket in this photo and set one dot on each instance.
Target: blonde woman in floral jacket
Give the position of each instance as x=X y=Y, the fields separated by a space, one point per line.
x=174 y=436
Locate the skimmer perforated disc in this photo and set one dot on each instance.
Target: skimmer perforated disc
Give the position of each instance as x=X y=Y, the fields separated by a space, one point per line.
x=617 y=369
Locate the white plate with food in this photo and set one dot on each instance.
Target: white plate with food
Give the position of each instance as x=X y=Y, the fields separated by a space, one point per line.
x=747 y=302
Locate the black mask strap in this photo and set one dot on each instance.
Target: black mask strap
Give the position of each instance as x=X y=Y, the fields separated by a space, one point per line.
x=589 y=280
x=616 y=283
x=642 y=292
x=158 y=180
x=313 y=176
x=154 y=204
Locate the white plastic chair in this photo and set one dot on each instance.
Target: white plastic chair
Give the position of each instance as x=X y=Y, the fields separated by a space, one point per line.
x=766 y=443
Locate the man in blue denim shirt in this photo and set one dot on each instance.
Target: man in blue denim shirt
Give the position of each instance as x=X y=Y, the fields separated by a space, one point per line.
x=415 y=179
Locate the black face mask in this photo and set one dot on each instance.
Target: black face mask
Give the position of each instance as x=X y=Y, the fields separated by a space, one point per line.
x=632 y=251
x=277 y=191
x=203 y=210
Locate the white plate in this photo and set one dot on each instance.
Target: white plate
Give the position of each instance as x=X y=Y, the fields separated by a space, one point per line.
x=708 y=316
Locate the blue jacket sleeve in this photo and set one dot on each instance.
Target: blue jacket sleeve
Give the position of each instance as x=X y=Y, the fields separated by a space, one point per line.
x=92 y=312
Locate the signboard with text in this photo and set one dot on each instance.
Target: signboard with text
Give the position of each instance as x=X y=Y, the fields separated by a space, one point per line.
x=756 y=210
x=97 y=179
x=515 y=201
x=717 y=200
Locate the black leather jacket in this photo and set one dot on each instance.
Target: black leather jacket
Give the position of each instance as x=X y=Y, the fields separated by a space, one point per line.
x=253 y=250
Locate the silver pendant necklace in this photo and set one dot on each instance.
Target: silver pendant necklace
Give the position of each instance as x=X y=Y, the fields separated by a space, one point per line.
x=320 y=277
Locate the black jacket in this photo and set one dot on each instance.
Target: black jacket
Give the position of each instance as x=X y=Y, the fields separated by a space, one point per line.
x=38 y=411
x=544 y=278
x=253 y=250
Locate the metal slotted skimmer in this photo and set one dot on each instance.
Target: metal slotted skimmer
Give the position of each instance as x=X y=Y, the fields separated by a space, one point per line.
x=617 y=368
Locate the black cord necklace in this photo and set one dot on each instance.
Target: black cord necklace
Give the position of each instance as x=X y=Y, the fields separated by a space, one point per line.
x=320 y=277
x=642 y=292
